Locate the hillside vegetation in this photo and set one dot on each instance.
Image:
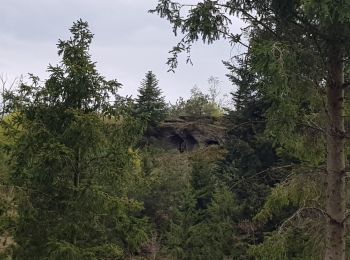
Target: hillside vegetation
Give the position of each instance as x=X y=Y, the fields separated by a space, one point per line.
x=86 y=173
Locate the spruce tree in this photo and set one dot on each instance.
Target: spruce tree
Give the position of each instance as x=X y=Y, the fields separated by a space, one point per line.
x=303 y=56
x=150 y=104
x=72 y=165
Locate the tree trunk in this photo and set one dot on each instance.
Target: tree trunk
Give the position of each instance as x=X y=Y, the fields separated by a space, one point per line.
x=77 y=170
x=335 y=199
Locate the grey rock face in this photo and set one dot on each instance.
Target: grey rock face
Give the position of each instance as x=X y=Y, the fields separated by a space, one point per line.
x=186 y=136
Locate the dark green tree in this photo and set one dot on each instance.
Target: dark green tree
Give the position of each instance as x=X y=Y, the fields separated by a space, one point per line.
x=249 y=150
x=73 y=163
x=304 y=54
x=150 y=104
x=202 y=224
x=253 y=165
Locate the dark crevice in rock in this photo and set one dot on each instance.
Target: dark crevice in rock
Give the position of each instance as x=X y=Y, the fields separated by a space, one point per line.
x=191 y=143
x=211 y=142
x=185 y=136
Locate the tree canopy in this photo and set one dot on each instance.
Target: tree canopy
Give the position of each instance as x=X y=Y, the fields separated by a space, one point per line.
x=264 y=179
x=150 y=103
x=298 y=49
x=73 y=165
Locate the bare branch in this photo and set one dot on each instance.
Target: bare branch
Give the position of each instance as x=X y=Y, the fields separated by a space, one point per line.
x=298 y=214
x=261 y=172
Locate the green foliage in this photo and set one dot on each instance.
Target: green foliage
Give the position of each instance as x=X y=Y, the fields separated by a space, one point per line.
x=292 y=193
x=9 y=195
x=296 y=114
x=248 y=166
x=178 y=233
x=150 y=105
x=204 y=21
x=295 y=243
x=194 y=216
x=62 y=250
x=295 y=206
x=274 y=248
x=167 y=176
x=326 y=11
x=202 y=223
x=75 y=187
x=75 y=166
x=199 y=105
x=280 y=107
x=213 y=237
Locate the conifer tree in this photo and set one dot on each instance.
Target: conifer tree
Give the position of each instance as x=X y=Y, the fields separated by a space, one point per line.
x=72 y=166
x=303 y=57
x=150 y=103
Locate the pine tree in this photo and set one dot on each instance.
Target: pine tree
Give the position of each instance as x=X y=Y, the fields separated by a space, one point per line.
x=150 y=103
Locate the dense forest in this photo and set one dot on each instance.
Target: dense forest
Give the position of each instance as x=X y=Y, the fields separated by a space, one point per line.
x=87 y=173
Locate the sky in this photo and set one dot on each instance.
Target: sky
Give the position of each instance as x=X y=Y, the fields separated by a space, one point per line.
x=128 y=42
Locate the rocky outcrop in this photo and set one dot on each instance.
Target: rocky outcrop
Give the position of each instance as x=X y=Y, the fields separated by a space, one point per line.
x=184 y=135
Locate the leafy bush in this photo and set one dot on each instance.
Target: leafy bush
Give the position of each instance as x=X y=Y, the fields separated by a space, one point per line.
x=197 y=106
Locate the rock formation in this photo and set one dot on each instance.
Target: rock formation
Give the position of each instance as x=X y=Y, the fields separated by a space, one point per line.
x=186 y=135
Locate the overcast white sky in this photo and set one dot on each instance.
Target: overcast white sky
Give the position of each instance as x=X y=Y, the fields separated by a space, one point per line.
x=128 y=42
